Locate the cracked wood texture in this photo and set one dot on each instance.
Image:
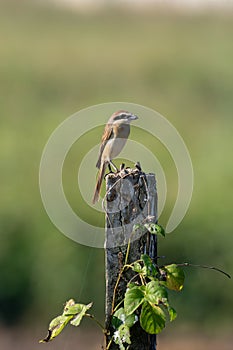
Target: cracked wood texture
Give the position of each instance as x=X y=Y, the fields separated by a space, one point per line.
x=131 y=199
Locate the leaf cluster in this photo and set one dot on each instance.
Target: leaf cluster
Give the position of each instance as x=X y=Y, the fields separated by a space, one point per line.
x=73 y=313
x=147 y=299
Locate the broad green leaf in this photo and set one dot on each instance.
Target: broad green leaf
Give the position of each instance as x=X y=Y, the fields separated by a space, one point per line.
x=78 y=318
x=152 y=318
x=172 y=313
x=119 y=317
x=155 y=293
x=174 y=277
x=133 y=299
x=155 y=229
x=55 y=327
x=150 y=268
x=122 y=336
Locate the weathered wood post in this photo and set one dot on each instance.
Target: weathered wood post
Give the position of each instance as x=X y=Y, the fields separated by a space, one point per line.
x=131 y=199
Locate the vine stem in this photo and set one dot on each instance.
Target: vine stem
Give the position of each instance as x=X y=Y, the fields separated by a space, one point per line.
x=92 y=317
x=115 y=288
x=116 y=307
x=134 y=262
x=120 y=274
x=109 y=344
x=205 y=267
x=127 y=251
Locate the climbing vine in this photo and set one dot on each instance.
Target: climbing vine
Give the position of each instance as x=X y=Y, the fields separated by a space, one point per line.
x=146 y=299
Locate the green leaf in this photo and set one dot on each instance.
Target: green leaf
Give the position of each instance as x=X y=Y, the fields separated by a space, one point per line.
x=137 y=267
x=76 y=309
x=154 y=293
x=174 y=277
x=79 y=316
x=130 y=320
x=122 y=336
x=172 y=313
x=73 y=309
x=55 y=327
x=133 y=299
x=160 y=230
x=120 y=317
x=72 y=313
x=152 y=318
x=150 y=268
x=131 y=285
x=155 y=229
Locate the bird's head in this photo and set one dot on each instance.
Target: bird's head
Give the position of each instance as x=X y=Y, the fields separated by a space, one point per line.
x=122 y=117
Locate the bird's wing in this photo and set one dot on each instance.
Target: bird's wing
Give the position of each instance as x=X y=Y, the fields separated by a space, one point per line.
x=107 y=135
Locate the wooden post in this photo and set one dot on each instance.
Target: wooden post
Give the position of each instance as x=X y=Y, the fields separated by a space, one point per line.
x=131 y=198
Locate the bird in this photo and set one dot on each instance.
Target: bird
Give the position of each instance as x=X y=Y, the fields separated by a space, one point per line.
x=116 y=133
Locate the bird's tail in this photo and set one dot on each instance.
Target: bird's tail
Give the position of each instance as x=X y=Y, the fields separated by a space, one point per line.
x=99 y=183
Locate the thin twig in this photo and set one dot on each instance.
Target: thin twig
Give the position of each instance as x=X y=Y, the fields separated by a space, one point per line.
x=114 y=185
x=92 y=317
x=138 y=274
x=127 y=251
x=109 y=344
x=115 y=288
x=205 y=267
x=116 y=307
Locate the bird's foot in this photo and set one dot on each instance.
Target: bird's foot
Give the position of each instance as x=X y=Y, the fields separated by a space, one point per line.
x=109 y=173
x=138 y=166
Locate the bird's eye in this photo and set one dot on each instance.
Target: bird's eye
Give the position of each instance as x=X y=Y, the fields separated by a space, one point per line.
x=124 y=116
x=120 y=116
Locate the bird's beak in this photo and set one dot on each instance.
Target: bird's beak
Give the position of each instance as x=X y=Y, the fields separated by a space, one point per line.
x=133 y=117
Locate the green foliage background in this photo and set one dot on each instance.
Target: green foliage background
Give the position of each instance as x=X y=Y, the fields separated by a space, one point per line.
x=55 y=62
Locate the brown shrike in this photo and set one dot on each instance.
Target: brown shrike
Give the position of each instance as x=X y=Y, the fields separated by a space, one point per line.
x=115 y=135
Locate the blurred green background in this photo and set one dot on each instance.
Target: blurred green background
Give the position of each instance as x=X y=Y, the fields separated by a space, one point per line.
x=54 y=62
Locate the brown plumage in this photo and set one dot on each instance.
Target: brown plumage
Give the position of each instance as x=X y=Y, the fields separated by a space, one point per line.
x=115 y=135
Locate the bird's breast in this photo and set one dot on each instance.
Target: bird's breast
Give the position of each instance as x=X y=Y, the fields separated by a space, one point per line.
x=115 y=145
